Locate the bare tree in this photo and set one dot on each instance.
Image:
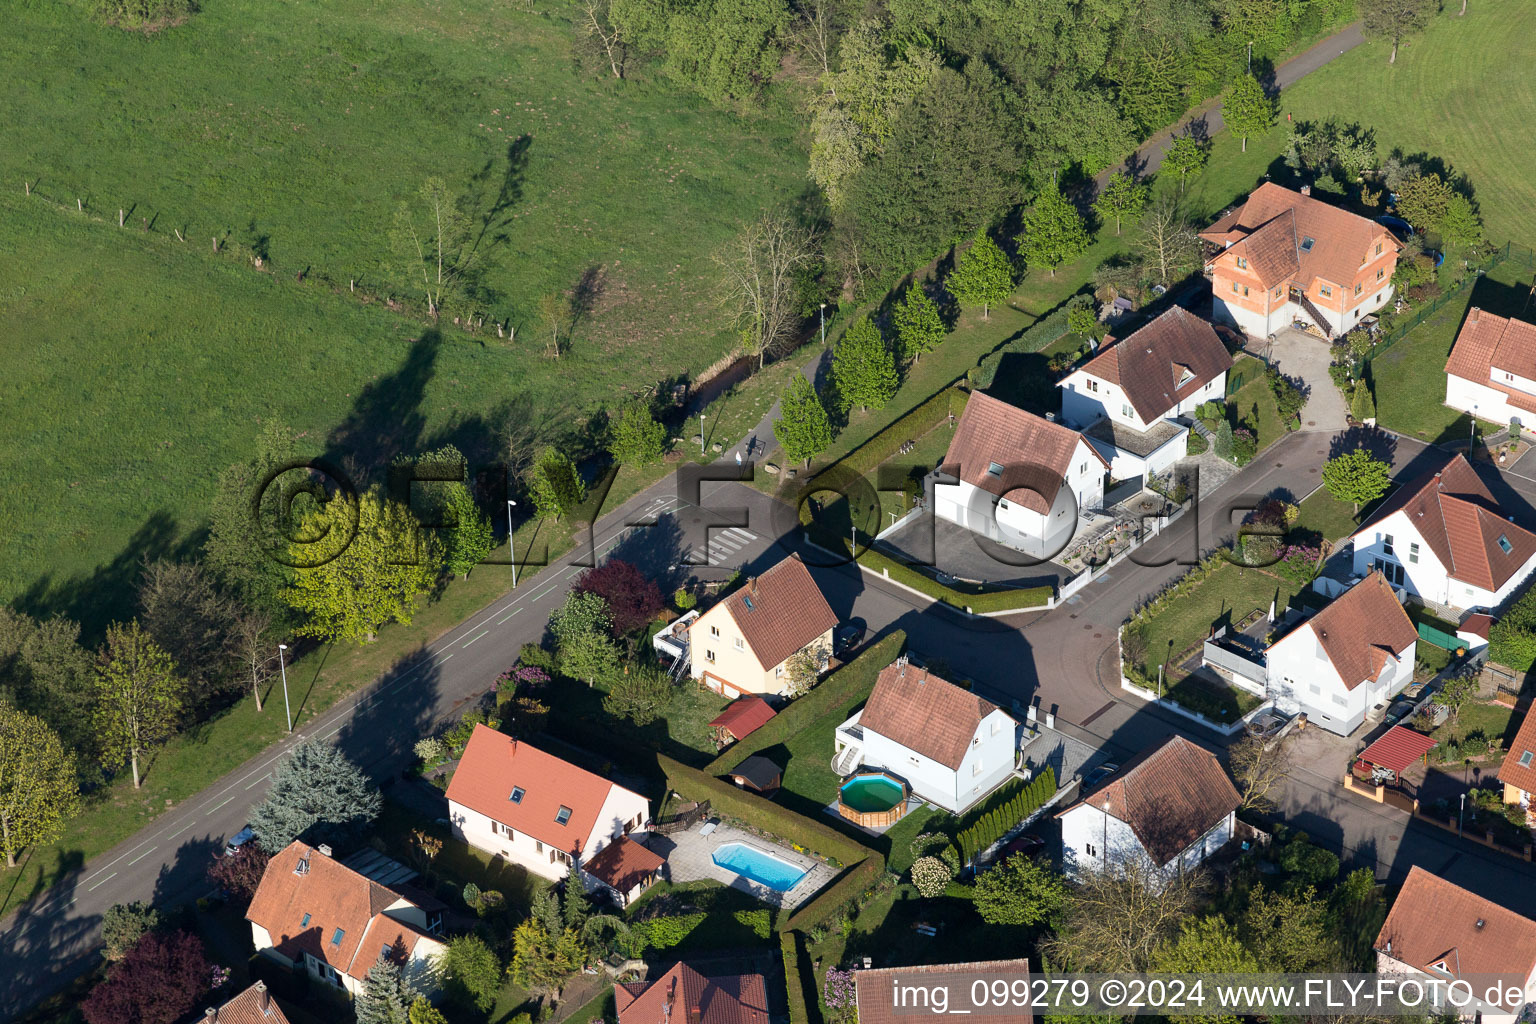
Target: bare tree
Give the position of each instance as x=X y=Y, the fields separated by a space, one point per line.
x=761 y=268
x=1395 y=19
x=437 y=239
x=1258 y=766
x=555 y=309
x=1116 y=919
x=815 y=32
x=1168 y=244
x=601 y=30
x=253 y=643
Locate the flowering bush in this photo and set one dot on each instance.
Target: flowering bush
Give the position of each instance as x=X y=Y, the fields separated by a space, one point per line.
x=930 y=875
x=431 y=752
x=1298 y=563
x=1244 y=446
x=841 y=995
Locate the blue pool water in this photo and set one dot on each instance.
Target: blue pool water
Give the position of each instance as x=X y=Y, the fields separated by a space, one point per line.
x=763 y=868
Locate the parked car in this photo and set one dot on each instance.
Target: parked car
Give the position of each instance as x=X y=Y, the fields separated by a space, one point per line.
x=1098 y=775
x=238 y=840
x=848 y=636
x=1028 y=844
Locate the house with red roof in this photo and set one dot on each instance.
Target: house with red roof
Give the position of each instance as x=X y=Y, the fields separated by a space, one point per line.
x=255 y=1005
x=689 y=994
x=1164 y=811
x=316 y=914
x=527 y=806
x=1518 y=771
x=950 y=746
x=1438 y=930
x=744 y=643
x=1353 y=656
x=1444 y=539
x=900 y=995
x=1283 y=256
x=1019 y=479
x=1491 y=372
x=1127 y=398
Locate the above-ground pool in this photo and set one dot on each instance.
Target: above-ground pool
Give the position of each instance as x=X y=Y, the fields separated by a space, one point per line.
x=761 y=867
x=872 y=799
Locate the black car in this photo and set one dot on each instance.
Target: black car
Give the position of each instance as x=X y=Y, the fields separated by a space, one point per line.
x=849 y=635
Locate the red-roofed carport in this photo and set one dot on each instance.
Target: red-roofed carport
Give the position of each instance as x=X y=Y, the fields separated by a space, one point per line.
x=1397 y=749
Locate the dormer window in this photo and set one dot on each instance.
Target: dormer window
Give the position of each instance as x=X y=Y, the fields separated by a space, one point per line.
x=1525 y=759
x=302 y=867
x=1504 y=544
x=337 y=936
x=994 y=469
x=1185 y=375
x=517 y=794
x=563 y=815
x=1307 y=244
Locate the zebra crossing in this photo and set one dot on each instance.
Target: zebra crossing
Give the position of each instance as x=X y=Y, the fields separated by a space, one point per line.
x=724 y=545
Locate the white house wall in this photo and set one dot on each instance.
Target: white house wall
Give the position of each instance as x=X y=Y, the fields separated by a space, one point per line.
x=1090 y=839
x=1302 y=678
x=987 y=764
x=479 y=831
x=622 y=810
x=1486 y=402
x=1427 y=578
x=1008 y=522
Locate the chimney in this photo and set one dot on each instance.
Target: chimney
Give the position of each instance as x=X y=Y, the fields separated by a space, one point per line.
x=263 y=1000
x=1472 y=316
x=210 y=1015
x=1306 y=190
x=325 y=851
x=752 y=584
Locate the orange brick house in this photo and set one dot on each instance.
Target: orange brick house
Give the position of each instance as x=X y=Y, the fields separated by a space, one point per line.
x=1284 y=256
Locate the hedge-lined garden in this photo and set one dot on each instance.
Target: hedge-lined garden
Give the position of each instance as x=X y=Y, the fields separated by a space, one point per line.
x=995 y=823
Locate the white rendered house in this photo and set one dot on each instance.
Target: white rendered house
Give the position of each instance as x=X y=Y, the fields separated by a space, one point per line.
x=1127 y=397
x=1352 y=656
x=1491 y=372
x=1439 y=931
x=950 y=746
x=1020 y=480
x=1443 y=539
x=1163 y=813
x=527 y=806
x=315 y=914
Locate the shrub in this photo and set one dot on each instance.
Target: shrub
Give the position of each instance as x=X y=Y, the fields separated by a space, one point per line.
x=930 y=875
x=1197 y=443
x=789 y=951
x=684 y=600
x=760 y=921
x=672 y=930
x=431 y=751
x=1244 y=446
x=124 y=924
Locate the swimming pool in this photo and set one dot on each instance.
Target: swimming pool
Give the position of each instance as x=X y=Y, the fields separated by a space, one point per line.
x=872 y=793
x=764 y=868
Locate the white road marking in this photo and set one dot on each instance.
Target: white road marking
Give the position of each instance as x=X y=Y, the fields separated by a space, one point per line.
x=103 y=881
x=216 y=806
x=259 y=781
x=179 y=831
x=445 y=657
x=504 y=618
x=477 y=636
x=141 y=856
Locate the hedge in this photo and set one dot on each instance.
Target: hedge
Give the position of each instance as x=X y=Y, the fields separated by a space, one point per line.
x=725 y=798
x=995 y=823
x=789 y=949
x=851 y=681
x=1039 y=335
x=835 y=898
x=918 y=421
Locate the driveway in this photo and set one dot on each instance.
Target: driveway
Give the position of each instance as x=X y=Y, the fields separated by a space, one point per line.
x=958 y=552
x=1303 y=357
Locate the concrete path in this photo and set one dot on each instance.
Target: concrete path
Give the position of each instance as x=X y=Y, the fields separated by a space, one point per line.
x=1206 y=120
x=761 y=438
x=1303 y=357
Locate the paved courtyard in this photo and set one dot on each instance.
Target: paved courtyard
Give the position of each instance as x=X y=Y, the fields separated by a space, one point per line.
x=958 y=552
x=1303 y=357
x=690 y=858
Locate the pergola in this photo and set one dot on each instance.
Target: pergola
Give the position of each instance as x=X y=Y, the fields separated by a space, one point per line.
x=1397 y=749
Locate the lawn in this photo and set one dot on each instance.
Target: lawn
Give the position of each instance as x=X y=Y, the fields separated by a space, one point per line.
x=1253 y=404
x=1435 y=99
x=1325 y=517
x=1409 y=378
x=264 y=125
x=1225 y=597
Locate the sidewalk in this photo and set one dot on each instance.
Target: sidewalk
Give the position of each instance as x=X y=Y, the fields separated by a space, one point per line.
x=764 y=443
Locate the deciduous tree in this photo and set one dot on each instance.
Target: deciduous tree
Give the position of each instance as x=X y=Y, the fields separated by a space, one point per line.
x=982 y=276
x=1248 y=110
x=1054 y=231
x=1460 y=226
x=761 y=271
x=239 y=873
x=247 y=524
x=434 y=241
x=123 y=925
x=348 y=590
x=1395 y=19
x=1209 y=945
x=1357 y=477
x=640 y=693
x=183 y=611
x=159 y=981
x=1168 y=245
x=632 y=597
x=1021 y=890
x=1121 y=197
x=582 y=628
x=556 y=486
x=316 y=795
x=45 y=671
x=919 y=329
x=39 y=785
x=139 y=697
x=635 y=438
x=1117 y=919
x=803 y=428
x=470 y=966
x=254 y=645
x=862 y=367
x=1290 y=932
x=1423 y=199
x=1258 y=767
x=1185 y=157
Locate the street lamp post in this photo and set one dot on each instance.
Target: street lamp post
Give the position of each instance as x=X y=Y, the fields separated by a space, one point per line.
x=1461 y=814
x=823 y=325
x=1472 y=431
x=701 y=433
x=283 y=667
x=511 y=553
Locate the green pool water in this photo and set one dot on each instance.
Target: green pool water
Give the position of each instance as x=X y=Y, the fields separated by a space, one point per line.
x=868 y=793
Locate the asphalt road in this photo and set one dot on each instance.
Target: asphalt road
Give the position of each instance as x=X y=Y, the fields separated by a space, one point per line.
x=1064 y=659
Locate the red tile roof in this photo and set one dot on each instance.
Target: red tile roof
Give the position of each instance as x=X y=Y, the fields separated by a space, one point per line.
x=874 y=987
x=780 y=612
x=1478 y=625
x=1362 y=630
x=495 y=764
x=683 y=995
x=253 y=1006
x=1170 y=795
x=623 y=864
x=1436 y=926
x=302 y=912
x=1489 y=343
x=745 y=716
x=1522 y=747
x=1270 y=230
x=924 y=713
x=1035 y=454
x=1397 y=748
x=1453 y=510
x=1149 y=364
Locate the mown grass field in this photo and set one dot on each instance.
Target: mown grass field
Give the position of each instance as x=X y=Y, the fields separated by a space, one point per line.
x=136 y=366
x=1461 y=92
